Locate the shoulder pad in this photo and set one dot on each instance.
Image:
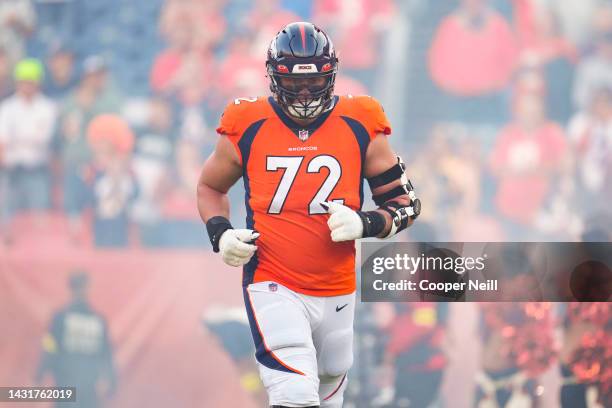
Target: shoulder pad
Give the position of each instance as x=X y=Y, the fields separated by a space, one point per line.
x=240 y=113
x=368 y=111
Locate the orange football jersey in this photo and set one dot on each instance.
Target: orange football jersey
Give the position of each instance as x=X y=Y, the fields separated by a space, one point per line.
x=288 y=170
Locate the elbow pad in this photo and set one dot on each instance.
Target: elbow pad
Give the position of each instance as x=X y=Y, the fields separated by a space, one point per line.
x=400 y=214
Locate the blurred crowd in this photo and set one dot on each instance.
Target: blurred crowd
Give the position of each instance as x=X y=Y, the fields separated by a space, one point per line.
x=518 y=145
x=520 y=135
x=502 y=108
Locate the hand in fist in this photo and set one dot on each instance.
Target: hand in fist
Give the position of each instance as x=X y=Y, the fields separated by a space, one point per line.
x=235 y=246
x=344 y=223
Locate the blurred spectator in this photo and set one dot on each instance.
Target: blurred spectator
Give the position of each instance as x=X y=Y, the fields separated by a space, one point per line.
x=194 y=129
x=181 y=227
x=56 y=19
x=575 y=18
x=236 y=14
x=466 y=220
x=357 y=29
x=97 y=77
x=544 y=47
x=17 y=19
x=416 y=351
x=77 y=350
x=242 y=71
x=579 y=325
x=474 y=51
x=182 y=71
x=265 y=20
x=196 y=138
x=420 y=169
x=501 y=382
x=178 y=225
x=27 y=123
x=562 y=218
x=113 y=186
x=590 y=133
x=109 y=136
x=527 y=156
x=188 y=160
x=460 y=176
x=202 y=21
x=539 y=33
x=93 y=96
x=453 y=159
x=6 y=80
x=152 y=161
x=61 y=76
x=192 y=30
x=114 y=190
x=595 y=71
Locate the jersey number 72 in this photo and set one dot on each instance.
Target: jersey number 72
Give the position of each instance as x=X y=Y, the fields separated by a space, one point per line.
x=291 y=165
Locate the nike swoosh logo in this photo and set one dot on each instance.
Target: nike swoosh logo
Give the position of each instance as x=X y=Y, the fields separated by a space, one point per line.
x=339 y=308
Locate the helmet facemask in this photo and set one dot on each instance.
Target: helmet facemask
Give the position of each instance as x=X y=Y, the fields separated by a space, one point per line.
x=299 y=104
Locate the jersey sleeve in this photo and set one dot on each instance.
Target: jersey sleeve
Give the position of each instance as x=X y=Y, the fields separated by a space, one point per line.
x=238 y=116
x=374 y=116
x=227 y=122
x=230 y=126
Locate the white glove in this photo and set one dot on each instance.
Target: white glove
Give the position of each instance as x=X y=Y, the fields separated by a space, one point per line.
x=233 y=247
x=344 y=223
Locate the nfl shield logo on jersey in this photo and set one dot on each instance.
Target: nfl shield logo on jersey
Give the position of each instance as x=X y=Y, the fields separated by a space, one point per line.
x=273 y=287
x=303 y=134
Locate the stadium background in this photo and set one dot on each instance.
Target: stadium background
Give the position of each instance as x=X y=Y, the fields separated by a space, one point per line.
x=506 y=128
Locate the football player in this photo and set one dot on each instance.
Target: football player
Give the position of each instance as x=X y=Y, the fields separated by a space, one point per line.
x=303 y=155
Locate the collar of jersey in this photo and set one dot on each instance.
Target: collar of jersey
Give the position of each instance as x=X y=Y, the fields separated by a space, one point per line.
x=295 y=127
